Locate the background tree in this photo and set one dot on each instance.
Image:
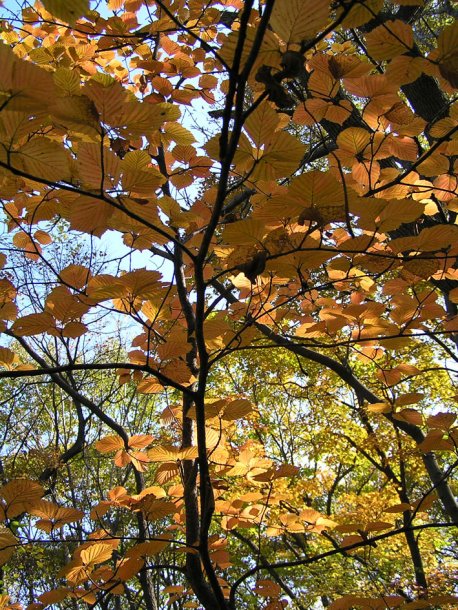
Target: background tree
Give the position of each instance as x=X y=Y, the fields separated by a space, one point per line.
x=229 y=295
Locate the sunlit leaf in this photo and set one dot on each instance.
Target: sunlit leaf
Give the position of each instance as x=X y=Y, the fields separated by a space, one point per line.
x=68 y=12
x=297 y=20
x=19 y=495
x=156 y=509
x=42 y=158
x=237 y=409
x=96 y=553
x=109 y=443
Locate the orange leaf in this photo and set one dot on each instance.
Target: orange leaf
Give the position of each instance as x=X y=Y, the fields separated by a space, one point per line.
x=139 y=441
x=8 y=543
x=19 y=495
x=76 y=276
x=298 y=20
x=237 y=409
x=409 y=415
x=8 y=358
x=128 y=567
x=147 y=549
x=156 y=509
x=53 y=597
x=33 y=324
x=442 y=421
x=267 y=588
x=109 y=443
x=389 y=40
x=122 y=458
x=96 y=553
x=354 y=140
x=139 y=461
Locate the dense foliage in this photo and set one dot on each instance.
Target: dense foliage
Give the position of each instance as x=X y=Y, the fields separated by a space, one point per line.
x=228 y=298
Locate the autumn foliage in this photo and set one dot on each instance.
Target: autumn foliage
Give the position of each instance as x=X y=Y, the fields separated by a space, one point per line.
x=228 y=298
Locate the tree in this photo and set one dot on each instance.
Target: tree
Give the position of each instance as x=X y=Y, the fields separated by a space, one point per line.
x=238 y=219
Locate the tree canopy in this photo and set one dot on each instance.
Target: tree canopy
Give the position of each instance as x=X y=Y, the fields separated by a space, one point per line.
x=228 y=298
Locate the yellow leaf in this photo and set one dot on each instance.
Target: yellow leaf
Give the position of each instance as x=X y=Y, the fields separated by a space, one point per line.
x=189 y=453
x=318 y=189
x=299 y=20
x=267 y=55
x=398 y=508
x=286 y=470
x=397 y=212
x=64 y=306
x=65 y=10
x=69 y=81
x=89 y=215
x=142 y=182
x=237 y=409
x=156 y=509
x=238 y=470
x=96 y=553
x=248 y=231
x=144 y=118
x=141 y=283
x=179 y=134
x=99 y=510
x=166 y=472
x=77 y=112
x=262 y=123
x=436 y=440
x=440 y=128
x=43 y=158
x=379 y=407
x=174 y=589
x=282 y=157
x=42 y=237
x=86 y=596
x=154 y=490
x=163 y=454
x=27 y=84
x=410 y=398
x=149 y=386
x=104 y=286
x=135 y=160
x=94 y=171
